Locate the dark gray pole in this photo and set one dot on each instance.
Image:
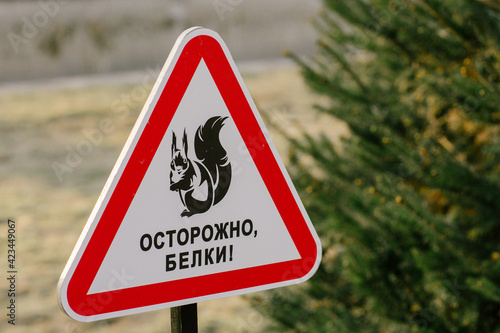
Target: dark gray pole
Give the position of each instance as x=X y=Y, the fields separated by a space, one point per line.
x=184 y=319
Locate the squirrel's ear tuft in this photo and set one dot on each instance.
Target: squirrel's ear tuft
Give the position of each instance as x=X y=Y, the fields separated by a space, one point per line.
x=174 y=143
x=185 y=142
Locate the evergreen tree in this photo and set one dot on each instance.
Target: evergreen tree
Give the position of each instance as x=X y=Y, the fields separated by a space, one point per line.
x=408 y=209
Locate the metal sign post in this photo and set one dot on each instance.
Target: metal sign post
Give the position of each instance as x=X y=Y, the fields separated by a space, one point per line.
x=184 y=319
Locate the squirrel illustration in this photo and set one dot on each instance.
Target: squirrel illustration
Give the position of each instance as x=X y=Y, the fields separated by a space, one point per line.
x=201 y=183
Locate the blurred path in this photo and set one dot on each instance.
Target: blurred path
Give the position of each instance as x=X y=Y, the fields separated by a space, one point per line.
x=54 y=38
x=246 y=67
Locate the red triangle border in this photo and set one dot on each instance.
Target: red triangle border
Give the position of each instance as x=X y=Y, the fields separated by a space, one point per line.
x=207 y=48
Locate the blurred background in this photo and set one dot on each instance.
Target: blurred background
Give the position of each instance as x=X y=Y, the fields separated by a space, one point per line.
x=42 y=39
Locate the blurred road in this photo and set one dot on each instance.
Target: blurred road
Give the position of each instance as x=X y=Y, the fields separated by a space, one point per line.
x=53 y=38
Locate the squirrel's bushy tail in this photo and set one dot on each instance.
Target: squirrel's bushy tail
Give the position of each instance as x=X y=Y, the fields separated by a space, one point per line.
x=213 y=156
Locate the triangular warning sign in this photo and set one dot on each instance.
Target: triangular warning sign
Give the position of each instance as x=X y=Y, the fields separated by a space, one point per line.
x=198 y=206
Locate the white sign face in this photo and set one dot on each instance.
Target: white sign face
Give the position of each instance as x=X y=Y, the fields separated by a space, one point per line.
x=199 y=205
